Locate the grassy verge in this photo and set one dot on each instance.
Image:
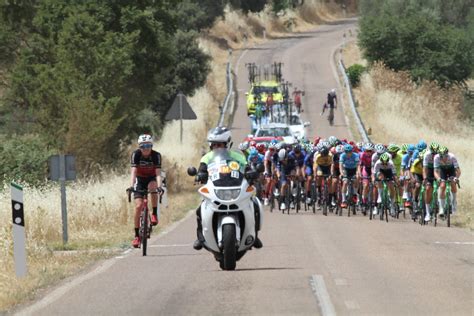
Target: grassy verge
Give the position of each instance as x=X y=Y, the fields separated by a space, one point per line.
x=396 y=110
x=100 y=225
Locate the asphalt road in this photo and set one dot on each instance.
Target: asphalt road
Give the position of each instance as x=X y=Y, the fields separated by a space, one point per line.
x=309 y=265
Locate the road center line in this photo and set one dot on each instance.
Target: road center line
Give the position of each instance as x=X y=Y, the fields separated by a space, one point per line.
x=319 y=289
x=454 y=242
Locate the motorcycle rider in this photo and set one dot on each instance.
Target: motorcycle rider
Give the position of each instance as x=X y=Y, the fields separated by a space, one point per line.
x=219 y=138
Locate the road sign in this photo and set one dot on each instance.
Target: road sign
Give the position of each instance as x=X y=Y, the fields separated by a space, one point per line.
x=62 y=168
x=19 y=239
x=180 y=110
x=54 y=167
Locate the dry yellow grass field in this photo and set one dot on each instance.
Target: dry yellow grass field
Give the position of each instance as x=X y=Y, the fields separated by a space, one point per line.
x=399 y=111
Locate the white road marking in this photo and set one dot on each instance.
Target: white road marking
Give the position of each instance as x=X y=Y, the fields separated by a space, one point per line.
x=169 y=246
x=454 y=242
x=340 y=281
x=319 y=289
x=352 y=305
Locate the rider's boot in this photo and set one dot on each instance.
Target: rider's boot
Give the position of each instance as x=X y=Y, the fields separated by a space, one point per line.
x=258 y=225
x=198 y=244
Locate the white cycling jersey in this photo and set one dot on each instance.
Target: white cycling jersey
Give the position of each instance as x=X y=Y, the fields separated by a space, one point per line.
x=380 y=166
x=375 y=157
x=448 y=161
x=428 y=159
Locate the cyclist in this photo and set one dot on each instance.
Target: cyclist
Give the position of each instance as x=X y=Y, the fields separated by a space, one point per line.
x=348 y=163
x=298 y=154
x=297 y=98
x=286 y=166
x=332 y=99
x=244 y=147
x=268 y=162
x=219 y=138
x=322 y=168
x=445 y=167
x=397 y=157
x=416 y=171
x=428 y=176
x=335 y=171
x=407 y=160
x=308 y=163
x=384 y=169
x=261 y=148
x=366 y=170
x=145 y=175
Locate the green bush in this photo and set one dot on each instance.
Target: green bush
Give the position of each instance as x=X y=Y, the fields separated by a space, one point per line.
x=354 y=72
x=24 y=160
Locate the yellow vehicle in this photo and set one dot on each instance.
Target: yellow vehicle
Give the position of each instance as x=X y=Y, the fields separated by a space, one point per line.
x=263 y=88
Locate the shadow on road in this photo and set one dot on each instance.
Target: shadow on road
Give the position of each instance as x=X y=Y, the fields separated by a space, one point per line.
x=176 y=255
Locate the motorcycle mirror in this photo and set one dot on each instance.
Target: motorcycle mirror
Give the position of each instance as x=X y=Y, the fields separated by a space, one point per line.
x=306 y=124
x=192 y=171
x=260 y=168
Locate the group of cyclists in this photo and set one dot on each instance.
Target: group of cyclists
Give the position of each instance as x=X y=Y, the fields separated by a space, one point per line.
x=404 y=168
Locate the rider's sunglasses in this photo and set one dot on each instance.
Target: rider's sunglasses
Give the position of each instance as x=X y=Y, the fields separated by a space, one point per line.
x=146 y=146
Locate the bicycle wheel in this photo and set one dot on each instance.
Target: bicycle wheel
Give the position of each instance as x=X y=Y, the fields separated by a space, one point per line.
x=288 y=198
x=298 y=196
x=386 y=207
x=448 y=211
x=313 y=196
x=144 y=230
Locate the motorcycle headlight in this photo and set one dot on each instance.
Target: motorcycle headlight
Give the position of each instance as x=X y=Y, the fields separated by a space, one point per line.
x=227 y=195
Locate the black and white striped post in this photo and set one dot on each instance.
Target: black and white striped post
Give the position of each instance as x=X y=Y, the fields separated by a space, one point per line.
x=19 y=238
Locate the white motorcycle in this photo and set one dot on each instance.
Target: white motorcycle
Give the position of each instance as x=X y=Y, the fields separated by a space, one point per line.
x=227 y=209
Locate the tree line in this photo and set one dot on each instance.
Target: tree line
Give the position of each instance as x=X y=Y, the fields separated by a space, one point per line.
x=432 y=39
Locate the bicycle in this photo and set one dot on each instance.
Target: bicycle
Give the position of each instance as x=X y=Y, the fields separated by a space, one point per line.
x=433 y=205
x=384 y=206
x=350 y=197
x=145 y=227
x=448 y=206
x=325 y=194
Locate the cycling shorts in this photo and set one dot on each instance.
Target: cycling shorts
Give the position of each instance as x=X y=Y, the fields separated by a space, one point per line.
x=447 y=173
x=337 y=172
x=366 y=172
x=324 y=171
x=418 y=177
x=141 y=183
x=387 y=174
x=309 y=171
x=350 y=173
x=283 y=175
x=430 y=178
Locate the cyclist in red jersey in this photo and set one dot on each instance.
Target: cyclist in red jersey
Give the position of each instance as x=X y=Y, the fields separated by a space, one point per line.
x=145 y=174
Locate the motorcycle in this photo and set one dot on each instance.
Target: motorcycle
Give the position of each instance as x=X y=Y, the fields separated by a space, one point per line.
x=228 y=209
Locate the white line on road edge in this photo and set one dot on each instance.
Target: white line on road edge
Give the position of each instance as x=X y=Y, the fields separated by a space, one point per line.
x=319 y=289
x=166 y=246
x=455 y=242
x=60 y=291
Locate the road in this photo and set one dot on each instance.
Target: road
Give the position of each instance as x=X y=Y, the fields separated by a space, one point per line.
x=309 y=265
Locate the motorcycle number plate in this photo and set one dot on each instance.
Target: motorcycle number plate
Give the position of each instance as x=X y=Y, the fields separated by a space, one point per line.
x=215 y=176
x=234 y=174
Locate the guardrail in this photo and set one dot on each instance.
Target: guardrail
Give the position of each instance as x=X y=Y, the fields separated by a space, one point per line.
x=347 y=83
x=230 y=88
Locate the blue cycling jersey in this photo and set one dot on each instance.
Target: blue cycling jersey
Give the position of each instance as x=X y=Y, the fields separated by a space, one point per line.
x=349 y=162
x=299 y=159
x=406 y=161
x=308 y=160
x=256 y=159
x=287 y=165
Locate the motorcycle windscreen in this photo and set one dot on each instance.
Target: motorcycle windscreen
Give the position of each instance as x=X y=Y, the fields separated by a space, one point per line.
x=224 y=171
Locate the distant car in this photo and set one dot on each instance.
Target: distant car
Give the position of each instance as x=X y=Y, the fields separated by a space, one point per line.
x=296 y=125
x=265 y=140
x=276 y=130
x=263 y=88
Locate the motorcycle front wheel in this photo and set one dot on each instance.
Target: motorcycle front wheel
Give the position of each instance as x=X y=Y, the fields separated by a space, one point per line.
x=229 y=249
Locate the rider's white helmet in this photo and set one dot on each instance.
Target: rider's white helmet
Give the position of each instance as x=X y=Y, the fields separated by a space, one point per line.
x=219 y=134
x=145 y=138
x=282 y=154
x=333 y=91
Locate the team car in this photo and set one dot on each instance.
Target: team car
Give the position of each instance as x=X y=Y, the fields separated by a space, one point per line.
x=263 y=89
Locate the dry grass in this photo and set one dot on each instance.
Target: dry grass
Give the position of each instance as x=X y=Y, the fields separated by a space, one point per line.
x=99 y=217
x=398 y=110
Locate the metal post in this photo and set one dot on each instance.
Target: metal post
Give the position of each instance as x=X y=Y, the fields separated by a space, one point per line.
x=19 y=239
x=62 y=181
x=181 y=117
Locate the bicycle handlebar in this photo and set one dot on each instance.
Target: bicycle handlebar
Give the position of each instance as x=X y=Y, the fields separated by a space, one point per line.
x=144 y=192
